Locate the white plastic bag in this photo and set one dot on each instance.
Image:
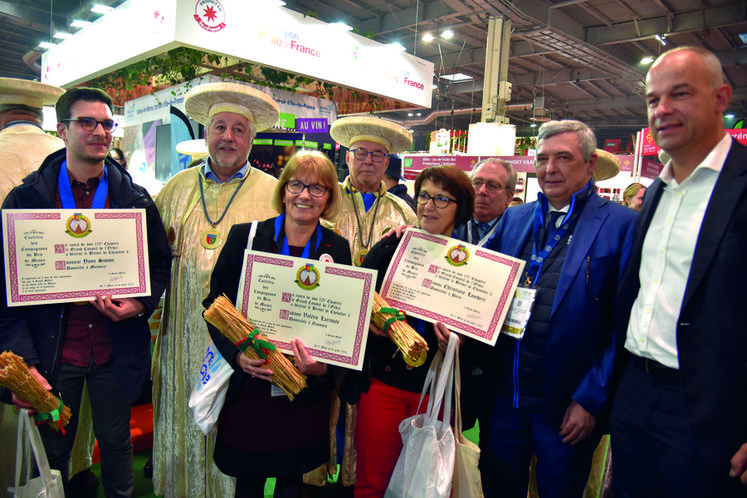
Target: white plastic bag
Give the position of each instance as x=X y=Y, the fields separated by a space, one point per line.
x=209 y=391
x=426 y=464
x=467 y=481
x=49 y=482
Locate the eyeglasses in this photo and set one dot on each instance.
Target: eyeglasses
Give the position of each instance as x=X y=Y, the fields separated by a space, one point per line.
x=361 y=154
x=90 y=124
x=296 y=187
x=440 y=201
x=491 y=186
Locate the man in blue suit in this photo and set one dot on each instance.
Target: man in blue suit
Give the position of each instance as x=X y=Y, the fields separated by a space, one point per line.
x=679 y=420
x=555 y=377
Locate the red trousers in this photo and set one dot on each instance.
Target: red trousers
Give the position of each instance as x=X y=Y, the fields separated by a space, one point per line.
x=377 y=439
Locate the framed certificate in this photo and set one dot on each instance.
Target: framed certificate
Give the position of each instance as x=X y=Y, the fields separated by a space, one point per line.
x=326 y=305
x=70 y=255
x=440 y=279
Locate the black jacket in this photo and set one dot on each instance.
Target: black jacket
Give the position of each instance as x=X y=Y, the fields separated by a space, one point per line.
x=225 y=280
x=35 y=332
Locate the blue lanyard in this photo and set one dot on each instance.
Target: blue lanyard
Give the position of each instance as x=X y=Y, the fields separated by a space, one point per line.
x=66 y=191
x=539 y=255
x=315 y=240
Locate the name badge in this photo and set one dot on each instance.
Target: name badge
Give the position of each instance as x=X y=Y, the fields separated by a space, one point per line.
x=518 y=314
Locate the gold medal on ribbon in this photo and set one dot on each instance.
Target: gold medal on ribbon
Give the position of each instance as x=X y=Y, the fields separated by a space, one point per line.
x=359 y=257
x=415 y=362
x=211 y=238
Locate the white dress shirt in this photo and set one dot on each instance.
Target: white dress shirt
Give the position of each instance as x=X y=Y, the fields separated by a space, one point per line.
x=667 y=256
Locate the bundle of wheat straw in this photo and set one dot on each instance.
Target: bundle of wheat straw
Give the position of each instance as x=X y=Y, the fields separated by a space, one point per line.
x=232 y=324
x=15 y=375
x=399 y=331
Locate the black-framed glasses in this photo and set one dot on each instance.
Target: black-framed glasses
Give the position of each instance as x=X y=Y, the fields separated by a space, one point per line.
x=296 y=187
x=440 y=201
x=491 y=186
x=361 y=154
x=90 y=124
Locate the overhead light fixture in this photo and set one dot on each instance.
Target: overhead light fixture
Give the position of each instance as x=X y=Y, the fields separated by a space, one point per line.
x=342 y=26
x=447 y=34
x=533 y=125
x=80 y=24
x=396 y=46
x=101 y=9
x=427 y=38
x=61 y=35
x=47 y=45
x=647 y=60
x=418 y=113
x=729 y=116
x=456 y=77
x=409 y=114
x=661 y=40
x=743 y=37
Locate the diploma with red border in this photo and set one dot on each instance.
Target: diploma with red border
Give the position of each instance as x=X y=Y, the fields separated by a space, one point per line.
x=440 y=279
x=72 y=255
x=325 y=304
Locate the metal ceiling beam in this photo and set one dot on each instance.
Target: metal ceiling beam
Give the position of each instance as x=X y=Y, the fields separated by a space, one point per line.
x=681 y=23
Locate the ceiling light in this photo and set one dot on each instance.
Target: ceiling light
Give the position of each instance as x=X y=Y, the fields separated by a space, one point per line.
x=101 y=9
x=409 y=114
x=61 y=35
x=342 y=26
x=427 y=38
x=418 y=113
x=396 y=46
x=661 y=40
x=47 y=45
x=743 y=37
x=456 y=77
x=647 y=60
x=729 y=116
x=533 y=125
x=447 y=34
x=79 y=24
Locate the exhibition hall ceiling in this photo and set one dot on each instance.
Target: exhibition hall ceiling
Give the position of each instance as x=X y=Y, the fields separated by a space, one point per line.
x=568 y=59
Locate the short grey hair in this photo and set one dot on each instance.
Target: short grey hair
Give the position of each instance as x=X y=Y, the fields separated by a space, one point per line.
x=586 y=138
x=512 y=176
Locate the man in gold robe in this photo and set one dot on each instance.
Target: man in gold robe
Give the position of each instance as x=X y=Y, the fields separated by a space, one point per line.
x=198 y=207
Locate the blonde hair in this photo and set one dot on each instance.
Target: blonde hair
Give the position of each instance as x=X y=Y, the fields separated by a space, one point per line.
x=319 y=165
x=630 y=192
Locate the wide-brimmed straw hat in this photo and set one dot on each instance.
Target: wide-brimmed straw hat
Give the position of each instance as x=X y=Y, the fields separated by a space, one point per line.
x=14 y=91
x=197 y=148
x=608 y=166
x=206 y=100
x=393 y=137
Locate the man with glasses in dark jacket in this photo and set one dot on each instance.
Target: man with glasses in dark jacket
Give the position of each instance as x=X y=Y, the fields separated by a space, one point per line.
x=105 y=341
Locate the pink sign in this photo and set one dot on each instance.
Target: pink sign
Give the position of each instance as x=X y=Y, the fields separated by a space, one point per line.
x=651 y=149
x=415 y=164
x=650 y=169
x=626 y=162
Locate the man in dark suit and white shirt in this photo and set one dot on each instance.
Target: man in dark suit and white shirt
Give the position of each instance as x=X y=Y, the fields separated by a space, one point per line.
x=680 y=413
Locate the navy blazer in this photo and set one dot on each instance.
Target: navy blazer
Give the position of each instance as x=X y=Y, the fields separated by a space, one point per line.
x=584 y=342
x=711 y=338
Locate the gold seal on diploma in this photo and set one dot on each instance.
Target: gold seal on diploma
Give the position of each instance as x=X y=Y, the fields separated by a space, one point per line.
x=211 y=238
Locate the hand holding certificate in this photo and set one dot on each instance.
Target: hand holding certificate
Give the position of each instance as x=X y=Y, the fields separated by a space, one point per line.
x=69 y=255
x=440 y=279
